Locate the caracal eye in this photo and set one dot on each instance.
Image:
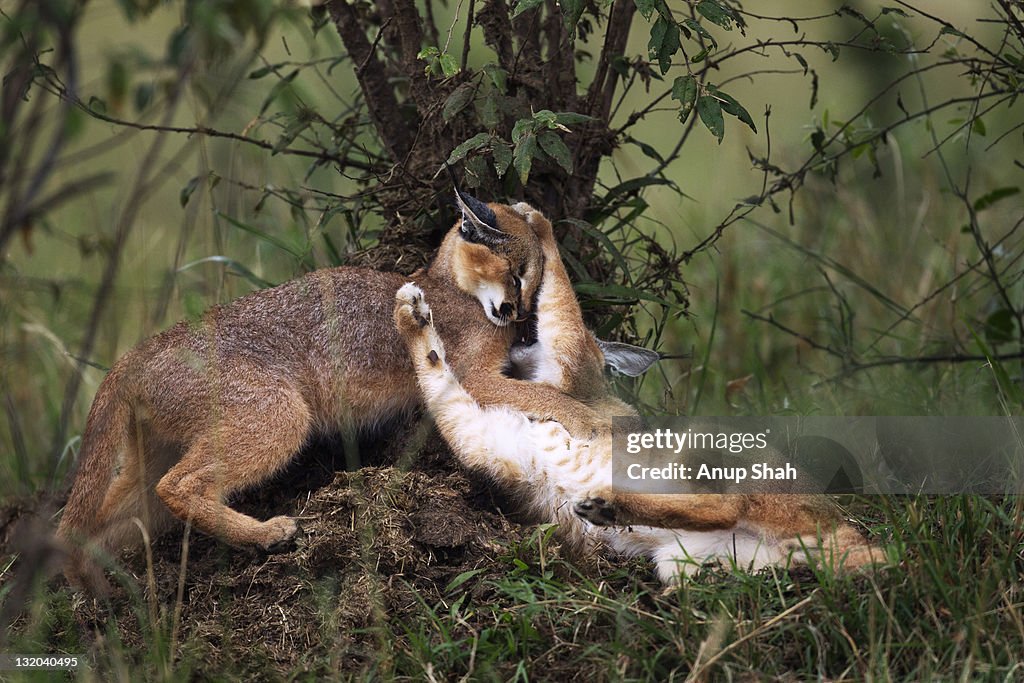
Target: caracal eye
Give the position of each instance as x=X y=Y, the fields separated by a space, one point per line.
x=517 y=282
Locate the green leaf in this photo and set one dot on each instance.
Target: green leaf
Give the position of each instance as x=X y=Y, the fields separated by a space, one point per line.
x=545 y=118
x=554 y=147
x=684 y=89
x=438 y=64
x=606 y=243
x=572 y=10
x=487 y=111
x=949 y=30
x=521 y=128
x=979 y=126
x=994 y=196
x=474 y=143
x=461 y=579
x=522 y=156
x=290 y=132
x=97 y=105
x=280 y=88
x=646 y=8
x=999 y=327
x=263 y=71
x=664 y=43
x=731 y=106
x=475 y=170
x=498 y=76
x=524 y=5
x=632 y=186
x=701 y=31
x=571 y=118
x=186 y=192
x=710 y=110
x=648 y=150
x=449 y=67
x=179 y=42
x=502 y=153
x=143 y=96
x=716 y=14
x=457 y=101
x=620 y=65
x=612 y=293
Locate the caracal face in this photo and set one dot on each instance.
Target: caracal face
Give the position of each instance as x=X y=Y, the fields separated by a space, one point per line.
x=497 y=259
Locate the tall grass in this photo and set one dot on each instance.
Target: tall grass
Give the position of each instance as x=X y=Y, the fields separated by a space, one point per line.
x=860 y=254
x=949 y=606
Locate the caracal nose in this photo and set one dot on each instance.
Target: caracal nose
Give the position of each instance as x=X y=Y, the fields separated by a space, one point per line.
x=506 y=310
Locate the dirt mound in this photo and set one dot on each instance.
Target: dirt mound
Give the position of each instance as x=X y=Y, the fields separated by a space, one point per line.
x=375 y=542
x=377 y=545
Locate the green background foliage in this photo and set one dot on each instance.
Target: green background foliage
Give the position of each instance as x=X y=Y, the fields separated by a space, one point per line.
x=817 y=203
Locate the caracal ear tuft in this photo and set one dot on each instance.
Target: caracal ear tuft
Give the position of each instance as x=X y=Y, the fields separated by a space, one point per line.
x=479 y=224
x=627 y=359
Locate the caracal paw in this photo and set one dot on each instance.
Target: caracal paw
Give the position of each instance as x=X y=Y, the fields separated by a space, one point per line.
x=412 y=313
x=279 y=534
x=597 y=511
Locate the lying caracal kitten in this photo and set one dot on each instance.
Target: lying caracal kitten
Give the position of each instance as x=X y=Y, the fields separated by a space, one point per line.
x=567 y=479
x=221 y=404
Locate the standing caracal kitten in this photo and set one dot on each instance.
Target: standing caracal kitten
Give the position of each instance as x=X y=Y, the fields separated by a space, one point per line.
x=567 y=479
x=221 y=404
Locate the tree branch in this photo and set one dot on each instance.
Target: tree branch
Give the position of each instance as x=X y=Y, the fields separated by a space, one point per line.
x=380 y=97
x=602 y=88
x=341 y=160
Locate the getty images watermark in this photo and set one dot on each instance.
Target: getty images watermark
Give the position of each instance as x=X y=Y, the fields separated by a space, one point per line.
x=901 y=455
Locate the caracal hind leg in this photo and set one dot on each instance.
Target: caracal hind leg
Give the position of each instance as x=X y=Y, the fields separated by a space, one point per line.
x=245 y=447
x=810 y=529
x=130 y=509
x=127 y=513
x=842 y=548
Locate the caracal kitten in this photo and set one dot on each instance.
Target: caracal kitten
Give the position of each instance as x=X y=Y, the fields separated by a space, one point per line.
x=564 y=478
x=221 y=404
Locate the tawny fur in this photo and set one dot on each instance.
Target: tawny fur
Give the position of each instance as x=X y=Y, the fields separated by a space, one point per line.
x=567 y=479
x=221 y=404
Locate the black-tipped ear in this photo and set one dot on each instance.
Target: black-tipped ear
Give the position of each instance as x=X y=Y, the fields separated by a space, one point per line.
x=627 y=359
x=479 y=224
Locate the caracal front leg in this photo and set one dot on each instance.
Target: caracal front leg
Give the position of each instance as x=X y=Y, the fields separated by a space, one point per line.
x=538 y=401
x=483 y=384
x=689 y=511
x=569 y=355
x=490 y=440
